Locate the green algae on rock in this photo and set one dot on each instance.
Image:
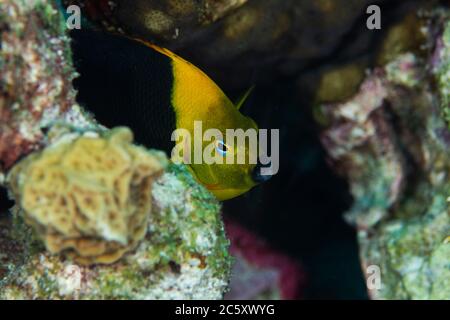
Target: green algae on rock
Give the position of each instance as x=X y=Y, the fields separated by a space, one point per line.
x=411 y=253
x=402 y=37
x=183 y=256
x=392 y=143
x=340 y=83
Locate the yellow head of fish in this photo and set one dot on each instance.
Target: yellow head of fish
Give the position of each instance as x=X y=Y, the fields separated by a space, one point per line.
x=156 y=93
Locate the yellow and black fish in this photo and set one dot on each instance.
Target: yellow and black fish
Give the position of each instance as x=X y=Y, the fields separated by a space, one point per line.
x=153 y=91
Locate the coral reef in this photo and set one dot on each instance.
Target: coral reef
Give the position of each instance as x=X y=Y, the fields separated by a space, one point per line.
x=382 y=99
x=35 y=76
x=184 y=254
x=168 y=232
x=87 y=197
x=392 y=144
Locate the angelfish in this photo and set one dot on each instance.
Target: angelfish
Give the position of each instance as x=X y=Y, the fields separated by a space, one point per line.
x=153 y=91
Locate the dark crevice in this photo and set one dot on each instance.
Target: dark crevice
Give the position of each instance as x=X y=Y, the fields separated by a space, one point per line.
x=392 y=12
x=300 y=209
x=5 y=202
x=414 y=174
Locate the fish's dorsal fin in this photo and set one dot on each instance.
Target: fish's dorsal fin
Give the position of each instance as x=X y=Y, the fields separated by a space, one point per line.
x=164 y=51
x=244 y=97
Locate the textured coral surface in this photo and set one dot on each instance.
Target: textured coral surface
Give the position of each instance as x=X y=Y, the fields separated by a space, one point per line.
x=88 y=197
x=184 y=254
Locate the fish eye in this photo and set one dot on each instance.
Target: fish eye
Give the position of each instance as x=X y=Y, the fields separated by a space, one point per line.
x=221 y=147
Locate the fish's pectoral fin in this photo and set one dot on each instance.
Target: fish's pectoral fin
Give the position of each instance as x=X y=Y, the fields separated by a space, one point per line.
x=244 y=97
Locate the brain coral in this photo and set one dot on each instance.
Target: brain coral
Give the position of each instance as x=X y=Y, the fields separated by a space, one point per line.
x=88 y=197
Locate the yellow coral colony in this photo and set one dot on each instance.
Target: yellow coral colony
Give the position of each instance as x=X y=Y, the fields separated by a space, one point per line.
x=88 y=198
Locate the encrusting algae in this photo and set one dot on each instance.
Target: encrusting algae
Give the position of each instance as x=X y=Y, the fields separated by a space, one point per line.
x=90 y=197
